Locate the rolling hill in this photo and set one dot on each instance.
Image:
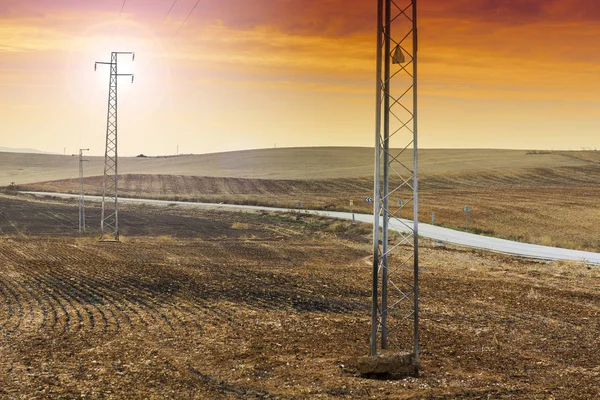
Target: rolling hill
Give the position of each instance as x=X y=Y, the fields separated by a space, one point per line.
x=292 y=163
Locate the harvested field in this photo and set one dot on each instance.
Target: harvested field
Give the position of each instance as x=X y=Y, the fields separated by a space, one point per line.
x=272 y=306
x=541 y=197
x=548 y=206
x=287 y=163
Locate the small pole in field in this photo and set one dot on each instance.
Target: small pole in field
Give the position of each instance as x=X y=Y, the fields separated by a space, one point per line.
x=467 y=209
x=432 y=219
x=81 y=192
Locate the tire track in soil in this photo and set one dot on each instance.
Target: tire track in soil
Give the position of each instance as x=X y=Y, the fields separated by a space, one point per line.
x=214 y=314
x=47 y=289
x=72 y=300
x=201 y=306
x=13 y=226
x=36 y=271
x=177 y=309
x=87 y=301
x=107 y=284
x=218 y=314
x=12 y=307
x=150 y=309
x=23 y=299
x=150 y=306
x=62 y=295
x=131 y=297
x=43 y=306
x=17 y=293
x=59 y=219
x=105 y=298
x=30 y=298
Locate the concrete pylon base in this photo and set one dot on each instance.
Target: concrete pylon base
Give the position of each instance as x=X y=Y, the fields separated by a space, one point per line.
x=390 y=365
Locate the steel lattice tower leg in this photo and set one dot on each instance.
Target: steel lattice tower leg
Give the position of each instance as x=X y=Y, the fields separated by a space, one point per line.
x=109 y=225
x=395 y=310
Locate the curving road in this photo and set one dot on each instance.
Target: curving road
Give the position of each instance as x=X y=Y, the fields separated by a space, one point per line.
x=438 y=233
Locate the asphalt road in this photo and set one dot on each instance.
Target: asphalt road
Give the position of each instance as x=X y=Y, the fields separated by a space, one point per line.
x=438 y=233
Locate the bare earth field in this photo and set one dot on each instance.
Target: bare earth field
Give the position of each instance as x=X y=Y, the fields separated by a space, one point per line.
x=207 y=304
x=286 y=163
x=542 y=198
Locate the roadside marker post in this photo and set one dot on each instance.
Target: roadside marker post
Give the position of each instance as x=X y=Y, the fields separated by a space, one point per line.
x=432 y=219
x=400 y=204
x=467 y=209
x=352 y=209
x=370 y=200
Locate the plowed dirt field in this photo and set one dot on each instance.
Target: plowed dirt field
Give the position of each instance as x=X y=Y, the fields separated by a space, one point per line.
x=206 y=304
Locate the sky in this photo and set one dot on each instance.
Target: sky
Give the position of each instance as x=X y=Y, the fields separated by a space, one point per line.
x=222 y=75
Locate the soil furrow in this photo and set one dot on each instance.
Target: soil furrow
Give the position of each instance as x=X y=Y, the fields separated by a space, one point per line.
x=60 y=302
x=107 y=302
x=13 y=307
x=65 y=290
x=87 y=297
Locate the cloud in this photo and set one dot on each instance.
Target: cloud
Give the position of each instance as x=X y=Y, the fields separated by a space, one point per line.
x=504 y=47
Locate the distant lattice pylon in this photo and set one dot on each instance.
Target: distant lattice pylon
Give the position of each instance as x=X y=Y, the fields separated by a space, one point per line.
x=109 y=225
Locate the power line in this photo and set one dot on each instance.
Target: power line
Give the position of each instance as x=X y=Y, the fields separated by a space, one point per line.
x=114 y=24
x=170 y=9
x=186 y=18
x=122 y=7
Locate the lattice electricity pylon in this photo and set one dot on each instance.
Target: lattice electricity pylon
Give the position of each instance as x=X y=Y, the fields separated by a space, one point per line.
x=81 y=192
x=109 y=225
x=395 y=311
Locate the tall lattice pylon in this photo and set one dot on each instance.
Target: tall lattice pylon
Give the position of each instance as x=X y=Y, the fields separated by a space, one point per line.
x=395 y=311
x=109 y=225
x=81 y=192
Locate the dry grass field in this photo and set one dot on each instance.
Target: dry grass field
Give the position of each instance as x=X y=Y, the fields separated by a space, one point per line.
x=292 y=163
x=214 y=305
x=545 y=198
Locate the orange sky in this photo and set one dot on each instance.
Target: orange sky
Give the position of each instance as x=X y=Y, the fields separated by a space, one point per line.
x=255 y=73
